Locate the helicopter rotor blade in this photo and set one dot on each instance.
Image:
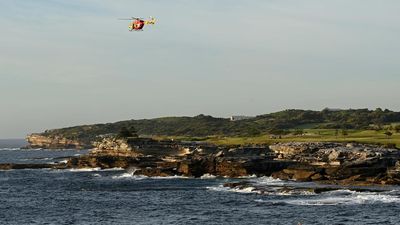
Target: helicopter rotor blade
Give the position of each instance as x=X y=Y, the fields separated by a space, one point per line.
x=132 y=18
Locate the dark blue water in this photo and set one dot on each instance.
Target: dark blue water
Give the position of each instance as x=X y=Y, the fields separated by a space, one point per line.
x=11 y=152
x=119 y=197
x=12 y=143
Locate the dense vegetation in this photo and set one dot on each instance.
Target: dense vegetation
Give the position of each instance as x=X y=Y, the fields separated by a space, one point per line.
x=274 y=123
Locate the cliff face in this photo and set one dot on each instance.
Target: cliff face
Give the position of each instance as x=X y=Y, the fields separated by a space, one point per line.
x=56 y=142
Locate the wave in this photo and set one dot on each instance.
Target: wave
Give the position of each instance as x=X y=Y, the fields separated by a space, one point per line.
x=269 y=181
x=248 y=177
x=141 y=177
x=38 y=158
x=9 y=149
x=208 y=176
x=262 y=185
x=84 y=169
x=167 y=177
x=273 y=191
x=95 y=169
x=246 y=190
x=341 y=197
x=114 y=169
x=129 y=176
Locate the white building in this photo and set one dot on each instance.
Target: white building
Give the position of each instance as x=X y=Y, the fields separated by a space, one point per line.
x=236 y=118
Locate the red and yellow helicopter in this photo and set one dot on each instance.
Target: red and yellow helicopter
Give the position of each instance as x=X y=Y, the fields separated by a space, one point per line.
x=137 y=24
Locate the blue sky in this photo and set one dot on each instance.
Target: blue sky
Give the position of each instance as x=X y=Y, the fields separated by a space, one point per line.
x=72 y=62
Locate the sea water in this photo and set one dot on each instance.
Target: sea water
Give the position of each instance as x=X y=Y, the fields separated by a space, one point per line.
x=117 y=196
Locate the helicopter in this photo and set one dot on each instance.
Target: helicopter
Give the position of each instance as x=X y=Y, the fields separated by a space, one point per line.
x=137 y=24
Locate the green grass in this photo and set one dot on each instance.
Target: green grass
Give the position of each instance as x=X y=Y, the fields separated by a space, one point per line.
x=310 y=135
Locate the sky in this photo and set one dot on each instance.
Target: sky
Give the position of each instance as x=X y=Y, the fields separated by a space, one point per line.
x=65 y=63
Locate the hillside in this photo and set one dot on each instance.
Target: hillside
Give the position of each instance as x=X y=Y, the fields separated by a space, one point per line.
x=273 y=123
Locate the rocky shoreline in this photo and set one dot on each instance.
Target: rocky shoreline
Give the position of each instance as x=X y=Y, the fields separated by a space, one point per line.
x=339 y=163
x=328 y=163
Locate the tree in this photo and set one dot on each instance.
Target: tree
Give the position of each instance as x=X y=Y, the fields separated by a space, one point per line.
x=397 y=128
x=388 y=134
x=133 y=131
x=124 y=132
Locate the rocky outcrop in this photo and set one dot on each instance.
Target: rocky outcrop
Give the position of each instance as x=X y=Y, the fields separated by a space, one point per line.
x=114 y=147
x=322 y=162
x=338 y=163
x=56 y=142
x=320 y=153
x=165 y=158
x=332 y=163
x=233 y=162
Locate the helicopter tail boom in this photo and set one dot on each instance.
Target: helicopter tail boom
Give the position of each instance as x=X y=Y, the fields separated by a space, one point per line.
x=151 y=21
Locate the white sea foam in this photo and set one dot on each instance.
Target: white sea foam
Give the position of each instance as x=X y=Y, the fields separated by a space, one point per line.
x=113 y=169
x=218 y=188
x=35 y=159
x=45 y=158
x=9 y=149
x=95 y=169
x=208 y=176
x=129 y=176
x=141 y=177
x=296 y=192
x=269 y=181
x=246 y=190
x=85 y=169
x=341 y=197
x=248 y=177
x=169 y=177
x=255 y=182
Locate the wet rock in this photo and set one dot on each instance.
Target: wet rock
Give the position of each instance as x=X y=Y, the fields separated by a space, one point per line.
x=317 y=177
x=240 y=185
x=338 y=162
x=322 y=162
x=281 y=175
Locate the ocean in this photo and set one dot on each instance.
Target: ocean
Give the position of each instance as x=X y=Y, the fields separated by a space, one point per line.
x=12 y=143
x=117 y=196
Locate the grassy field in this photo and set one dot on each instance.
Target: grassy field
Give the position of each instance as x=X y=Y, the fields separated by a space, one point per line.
x=309 y=135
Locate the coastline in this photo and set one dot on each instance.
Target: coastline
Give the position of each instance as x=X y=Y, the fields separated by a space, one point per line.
x=320 y=162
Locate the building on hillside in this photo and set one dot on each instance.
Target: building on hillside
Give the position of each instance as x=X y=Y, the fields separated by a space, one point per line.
x=332 y=109
x=236 y=118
